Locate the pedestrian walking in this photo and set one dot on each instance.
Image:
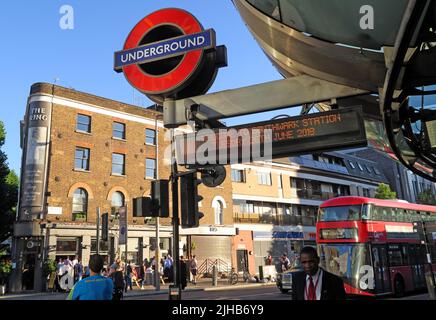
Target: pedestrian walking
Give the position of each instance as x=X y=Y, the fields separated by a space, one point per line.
x=95 y=287
x=78 y=270
x=128 y=276
x=117 y=277
x=194 y=268
x=183 y=273
x=269 y=260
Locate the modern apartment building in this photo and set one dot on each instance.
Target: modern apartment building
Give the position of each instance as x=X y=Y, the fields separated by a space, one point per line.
x=275 y=203
x=405 y=183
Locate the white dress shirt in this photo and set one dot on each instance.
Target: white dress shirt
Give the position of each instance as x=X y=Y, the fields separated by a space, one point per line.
x=317 y=282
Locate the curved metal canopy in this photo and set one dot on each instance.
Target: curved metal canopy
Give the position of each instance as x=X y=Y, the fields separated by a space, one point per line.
x=319 y=38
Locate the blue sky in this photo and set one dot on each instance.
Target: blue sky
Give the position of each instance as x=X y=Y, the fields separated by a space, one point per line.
x=36 y=49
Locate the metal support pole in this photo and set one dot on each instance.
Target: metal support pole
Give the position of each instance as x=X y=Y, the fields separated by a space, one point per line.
x=214 y=276
x=98 y=230
x=45 y=253
x=157 y=253
x=127 y=235
x=175 y=194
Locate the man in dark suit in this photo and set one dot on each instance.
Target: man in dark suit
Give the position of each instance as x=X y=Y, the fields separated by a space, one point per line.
x=314 y=283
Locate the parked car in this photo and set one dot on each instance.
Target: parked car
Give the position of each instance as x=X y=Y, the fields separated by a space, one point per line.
x=284 y=279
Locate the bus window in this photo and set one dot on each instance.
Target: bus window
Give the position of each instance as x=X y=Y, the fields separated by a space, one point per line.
x=342 y=213
x=376 y=213
x=366 y=212
x=400 y=215
x=422 y=255
x=415 y=216
x=392 y=212
x=405 y=254
x=385 y=214
x=407 y=215
x=395 y=256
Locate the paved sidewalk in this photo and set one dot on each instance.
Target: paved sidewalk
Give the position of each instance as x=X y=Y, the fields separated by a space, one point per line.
x=202 y=285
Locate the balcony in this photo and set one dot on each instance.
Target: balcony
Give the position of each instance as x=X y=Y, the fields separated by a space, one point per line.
x=311 y=194
x=281 y=220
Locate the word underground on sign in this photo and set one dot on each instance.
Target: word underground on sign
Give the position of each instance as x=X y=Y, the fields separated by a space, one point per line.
x=165 y=49
x=278 y=138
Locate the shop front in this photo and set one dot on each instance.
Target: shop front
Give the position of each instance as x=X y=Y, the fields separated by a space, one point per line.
x=210 y=244
x=284 y=240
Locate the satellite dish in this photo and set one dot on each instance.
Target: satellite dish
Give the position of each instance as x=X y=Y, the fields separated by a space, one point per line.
x=213 y=176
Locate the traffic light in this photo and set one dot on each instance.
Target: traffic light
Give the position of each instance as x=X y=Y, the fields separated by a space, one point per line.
x=189 y=200
x=160 y=198
x=156 y=205
x=105 y=226
x=142 y=207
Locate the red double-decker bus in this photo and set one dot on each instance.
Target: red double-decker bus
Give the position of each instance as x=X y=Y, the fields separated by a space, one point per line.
x=377 y=246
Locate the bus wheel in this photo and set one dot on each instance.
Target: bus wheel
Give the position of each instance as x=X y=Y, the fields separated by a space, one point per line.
x=399 y=286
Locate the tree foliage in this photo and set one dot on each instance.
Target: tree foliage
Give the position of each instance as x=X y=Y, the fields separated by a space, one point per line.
x=8 y=192
x=384 y=192
x=427 y=197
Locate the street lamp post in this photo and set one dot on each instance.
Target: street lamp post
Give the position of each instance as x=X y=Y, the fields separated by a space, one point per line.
x=98 y=230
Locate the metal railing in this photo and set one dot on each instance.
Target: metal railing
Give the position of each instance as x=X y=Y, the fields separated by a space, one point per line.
x=206 y=267
x=312 y=194
x=281 y=219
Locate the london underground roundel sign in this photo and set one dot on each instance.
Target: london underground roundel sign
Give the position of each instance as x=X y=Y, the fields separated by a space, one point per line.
x=169 y=54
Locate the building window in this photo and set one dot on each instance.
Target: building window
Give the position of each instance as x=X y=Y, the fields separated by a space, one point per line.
x=366 y=192
x=80 y=204
x=118 y=164
x=150 y=137
x=219 y=213
x=117 y=201
x=376 y=171
x=150 y=168
x=264 y=178
x=119 y=130
x=81 y=159
x=238 y=175
x=247 y=207
x=352 y=165
x=83 y=123
x=368 y=168
x=360 y=166
x=340 y=190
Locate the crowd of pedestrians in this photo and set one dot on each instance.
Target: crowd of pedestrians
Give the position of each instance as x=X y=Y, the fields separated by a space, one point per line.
x=121 y=276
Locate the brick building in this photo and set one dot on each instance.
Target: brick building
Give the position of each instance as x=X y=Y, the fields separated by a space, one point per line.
x=83 y=153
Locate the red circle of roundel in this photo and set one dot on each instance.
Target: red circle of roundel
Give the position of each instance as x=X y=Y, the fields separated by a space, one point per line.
x=159 y=84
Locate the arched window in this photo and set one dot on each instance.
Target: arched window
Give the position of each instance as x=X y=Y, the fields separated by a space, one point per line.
x=80 y=204
x=219 y=213
x=117 y=201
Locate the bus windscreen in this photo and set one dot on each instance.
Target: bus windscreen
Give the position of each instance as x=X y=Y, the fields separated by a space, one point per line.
x=342 y=213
